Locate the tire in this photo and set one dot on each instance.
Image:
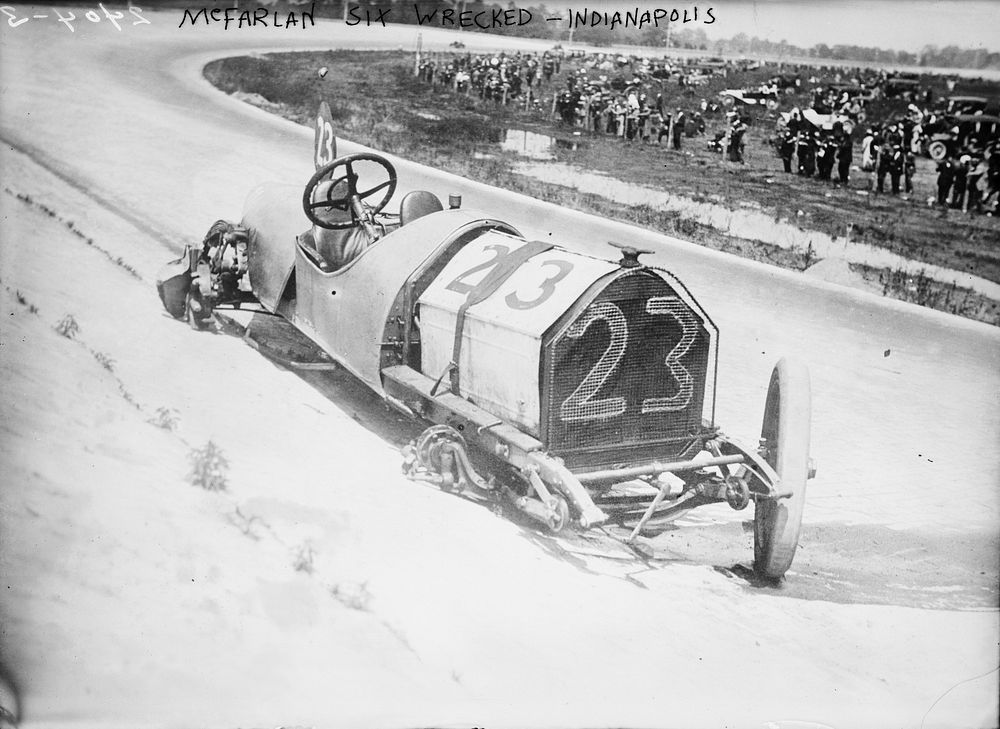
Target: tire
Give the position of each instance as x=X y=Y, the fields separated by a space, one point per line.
x=785 y=429
x=937 y=150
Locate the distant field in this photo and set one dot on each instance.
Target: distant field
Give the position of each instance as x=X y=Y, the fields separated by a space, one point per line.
x=376 y=100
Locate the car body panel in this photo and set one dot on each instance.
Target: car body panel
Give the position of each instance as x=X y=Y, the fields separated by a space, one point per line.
x=272 y=215
x=357 y=299
x=501 y=336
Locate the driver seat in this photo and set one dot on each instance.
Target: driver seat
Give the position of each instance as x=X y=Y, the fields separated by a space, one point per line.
x=417 y=204
x=336 y=248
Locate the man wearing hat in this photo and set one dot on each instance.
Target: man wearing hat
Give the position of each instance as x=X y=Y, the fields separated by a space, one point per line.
x=677 y=129
x=909 y=169
x=946 y=176
x=736 y=132
x=890 y=161
x=961 y=178
x=806 y=152
x=845 y=151
x=976 y=175
x=786 y=148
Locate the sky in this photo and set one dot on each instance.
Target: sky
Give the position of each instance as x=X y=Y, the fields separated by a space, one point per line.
x=895 y=24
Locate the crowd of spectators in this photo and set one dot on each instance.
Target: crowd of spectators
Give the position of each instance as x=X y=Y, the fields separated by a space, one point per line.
x=635 y=99
x=604 y=93
x=810 y=143
x=500 y=78
x=970 y=184
x=816 y=149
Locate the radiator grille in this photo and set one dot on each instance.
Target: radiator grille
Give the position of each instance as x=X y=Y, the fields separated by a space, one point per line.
x=626 y=378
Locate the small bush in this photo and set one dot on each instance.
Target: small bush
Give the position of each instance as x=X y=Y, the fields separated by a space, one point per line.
x=246 y=524
x=165 y=418
x=208 y=468
x=105 y=361
x=68 y=327
x=304 y=556
x=353 y=596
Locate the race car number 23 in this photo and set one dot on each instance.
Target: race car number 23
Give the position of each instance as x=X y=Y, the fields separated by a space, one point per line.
x=556 y=269
x=583 y=404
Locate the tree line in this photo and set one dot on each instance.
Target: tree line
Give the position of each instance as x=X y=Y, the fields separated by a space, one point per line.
x=678 y=35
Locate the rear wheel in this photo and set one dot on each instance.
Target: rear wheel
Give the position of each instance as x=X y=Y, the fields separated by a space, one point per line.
x=937 y=150
x=785 y=435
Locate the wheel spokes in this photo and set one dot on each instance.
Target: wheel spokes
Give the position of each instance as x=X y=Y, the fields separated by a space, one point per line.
x=338 y=204
x=375 y=189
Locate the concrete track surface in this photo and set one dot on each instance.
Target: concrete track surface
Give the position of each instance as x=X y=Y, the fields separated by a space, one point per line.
x=321 y=588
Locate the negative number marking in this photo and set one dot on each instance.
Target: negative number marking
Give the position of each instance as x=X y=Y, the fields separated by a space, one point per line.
x=324 y=142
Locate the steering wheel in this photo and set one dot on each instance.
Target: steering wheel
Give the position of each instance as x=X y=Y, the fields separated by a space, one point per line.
x=351 y=201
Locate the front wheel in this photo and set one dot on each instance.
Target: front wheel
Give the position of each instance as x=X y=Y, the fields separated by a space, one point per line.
x=785 y=439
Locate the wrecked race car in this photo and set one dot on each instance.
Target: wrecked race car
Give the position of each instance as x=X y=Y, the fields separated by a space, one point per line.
x=578 y=390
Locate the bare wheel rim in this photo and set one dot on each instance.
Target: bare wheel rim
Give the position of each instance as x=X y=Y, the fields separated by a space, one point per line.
x=561 y=518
